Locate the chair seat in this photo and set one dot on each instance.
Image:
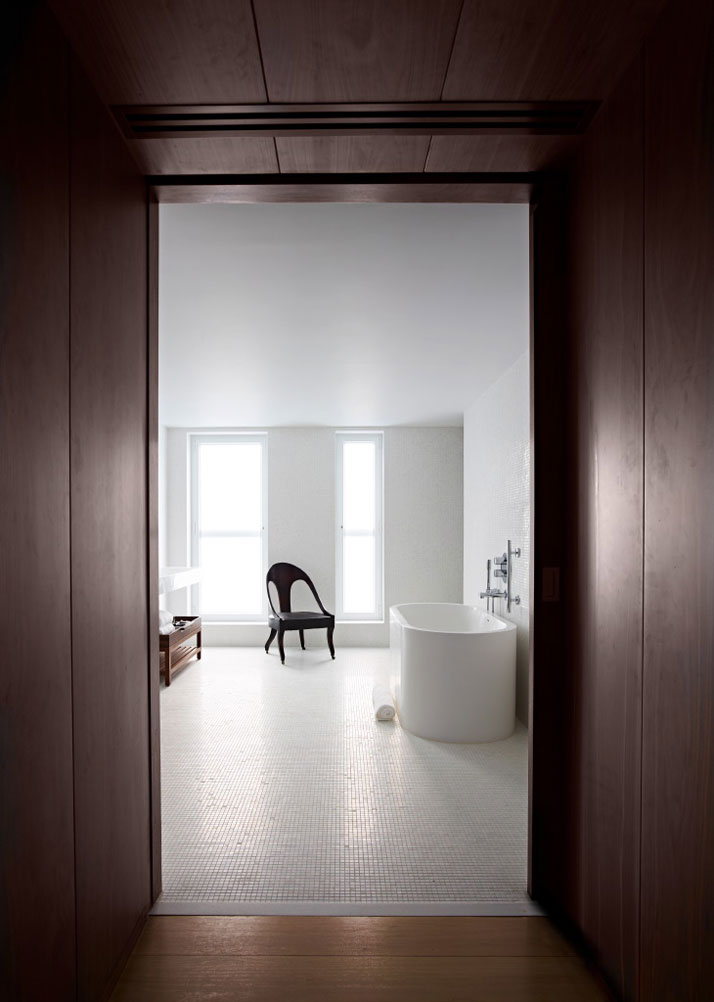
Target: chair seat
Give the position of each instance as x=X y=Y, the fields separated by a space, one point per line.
x=292 y=618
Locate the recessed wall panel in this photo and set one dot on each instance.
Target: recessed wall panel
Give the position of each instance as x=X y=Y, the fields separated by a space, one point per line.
x=109 y=541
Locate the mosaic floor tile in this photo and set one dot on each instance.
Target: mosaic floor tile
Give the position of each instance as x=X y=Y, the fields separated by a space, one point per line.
x=278 y=785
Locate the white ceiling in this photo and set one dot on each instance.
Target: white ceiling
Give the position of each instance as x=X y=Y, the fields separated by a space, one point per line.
x=337 y=314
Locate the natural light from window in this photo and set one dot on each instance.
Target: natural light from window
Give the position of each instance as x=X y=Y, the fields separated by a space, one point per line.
x=359 y=526
x=228 y=524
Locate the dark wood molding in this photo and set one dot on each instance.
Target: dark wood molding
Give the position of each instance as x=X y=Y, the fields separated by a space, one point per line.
x=408 y=187
x=408 y=119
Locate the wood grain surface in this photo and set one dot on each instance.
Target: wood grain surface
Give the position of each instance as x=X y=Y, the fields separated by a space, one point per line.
x=319 y=958
x=36 y=823
x=678 y=717
x=387 y=936
x=603 y=732
x=499 y=153
x=550 y=775
x=153 y=501
x=108 y=354
x=337 y=50
x=149 y=51
x=219 y=155
x=346 y=188
x=544 y=49
x=348 y=154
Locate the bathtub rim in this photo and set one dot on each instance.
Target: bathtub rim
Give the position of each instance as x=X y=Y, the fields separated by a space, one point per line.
x=395 y=612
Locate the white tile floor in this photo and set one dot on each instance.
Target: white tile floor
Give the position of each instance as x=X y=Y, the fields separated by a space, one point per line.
x=282 y=793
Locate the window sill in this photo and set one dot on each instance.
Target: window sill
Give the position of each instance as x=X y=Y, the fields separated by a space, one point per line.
x=236 y=622
x=359 y=622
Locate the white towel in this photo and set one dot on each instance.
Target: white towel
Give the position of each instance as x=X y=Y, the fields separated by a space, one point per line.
x=165 y=618
x=168 y=628
x=383 y=702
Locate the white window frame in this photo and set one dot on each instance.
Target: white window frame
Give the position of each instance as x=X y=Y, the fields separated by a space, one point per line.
x=194 y=520
x=377 y=437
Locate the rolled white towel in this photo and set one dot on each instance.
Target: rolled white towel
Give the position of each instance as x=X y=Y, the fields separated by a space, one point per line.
x=165 y=618
x=168 y=628
x=383 y=702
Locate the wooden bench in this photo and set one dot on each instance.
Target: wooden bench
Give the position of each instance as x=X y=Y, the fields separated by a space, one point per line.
x=174 y=652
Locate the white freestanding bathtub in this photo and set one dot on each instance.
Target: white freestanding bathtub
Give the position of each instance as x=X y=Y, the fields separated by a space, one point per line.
x=456 y=666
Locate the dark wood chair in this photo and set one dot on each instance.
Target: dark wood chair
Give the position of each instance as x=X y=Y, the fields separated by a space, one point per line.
x=284 y=576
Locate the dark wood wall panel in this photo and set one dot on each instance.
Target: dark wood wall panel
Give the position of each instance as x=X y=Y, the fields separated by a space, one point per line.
x=606 y=530
x=37 y=945
x=552 y=864
x=539 y=50
x=338 y=50
x=678 y=720
x=154 y=52
x=108 y=352
x=347 y=154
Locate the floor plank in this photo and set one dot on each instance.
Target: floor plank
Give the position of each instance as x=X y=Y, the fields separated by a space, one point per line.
x=282 y=935
x=189 y=958
x=354 y=979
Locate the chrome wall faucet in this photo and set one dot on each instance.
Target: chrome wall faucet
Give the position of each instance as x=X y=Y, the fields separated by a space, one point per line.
x=502 y=570
x=490 y=593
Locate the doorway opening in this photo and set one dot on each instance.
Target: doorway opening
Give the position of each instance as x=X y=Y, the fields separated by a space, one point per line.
x=287 y=333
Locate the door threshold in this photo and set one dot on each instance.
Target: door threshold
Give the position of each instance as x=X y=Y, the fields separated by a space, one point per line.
x=378 y=908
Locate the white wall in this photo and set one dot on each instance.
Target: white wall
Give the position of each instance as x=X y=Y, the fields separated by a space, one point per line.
x=497 y=500
x=423 y=520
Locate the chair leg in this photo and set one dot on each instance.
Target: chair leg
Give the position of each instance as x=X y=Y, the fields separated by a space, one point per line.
x=302 y=638
x=330 y=631
x=281 y=648
x=271 y=638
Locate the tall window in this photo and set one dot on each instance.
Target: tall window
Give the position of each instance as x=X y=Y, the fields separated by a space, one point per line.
x=359 y=525
x=228 y=520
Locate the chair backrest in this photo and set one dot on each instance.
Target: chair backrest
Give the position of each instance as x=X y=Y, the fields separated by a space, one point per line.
x=284 y=576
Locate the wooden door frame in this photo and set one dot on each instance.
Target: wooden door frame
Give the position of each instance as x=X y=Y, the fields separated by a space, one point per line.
x=360 y=188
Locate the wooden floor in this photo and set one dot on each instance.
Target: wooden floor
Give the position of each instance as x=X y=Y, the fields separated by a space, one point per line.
x=307 y=959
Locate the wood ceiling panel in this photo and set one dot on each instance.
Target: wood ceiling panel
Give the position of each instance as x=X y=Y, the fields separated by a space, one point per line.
x=339 y=50
x=544 y=49
x=346 y=154
x=205 y=156
x=152 y=51
x=498 y=153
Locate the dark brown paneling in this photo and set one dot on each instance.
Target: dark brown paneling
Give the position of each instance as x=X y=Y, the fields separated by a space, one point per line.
x=37 y=838
x=337 y=50
x=606 y=567
x=345 y=188
x=153 y=52
x=152 y=514
x=536 y=50
x=205 y=156
x=499 y=153
x=108 y=353
x=678 y=718
x=358 y=154
x=553 y=873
